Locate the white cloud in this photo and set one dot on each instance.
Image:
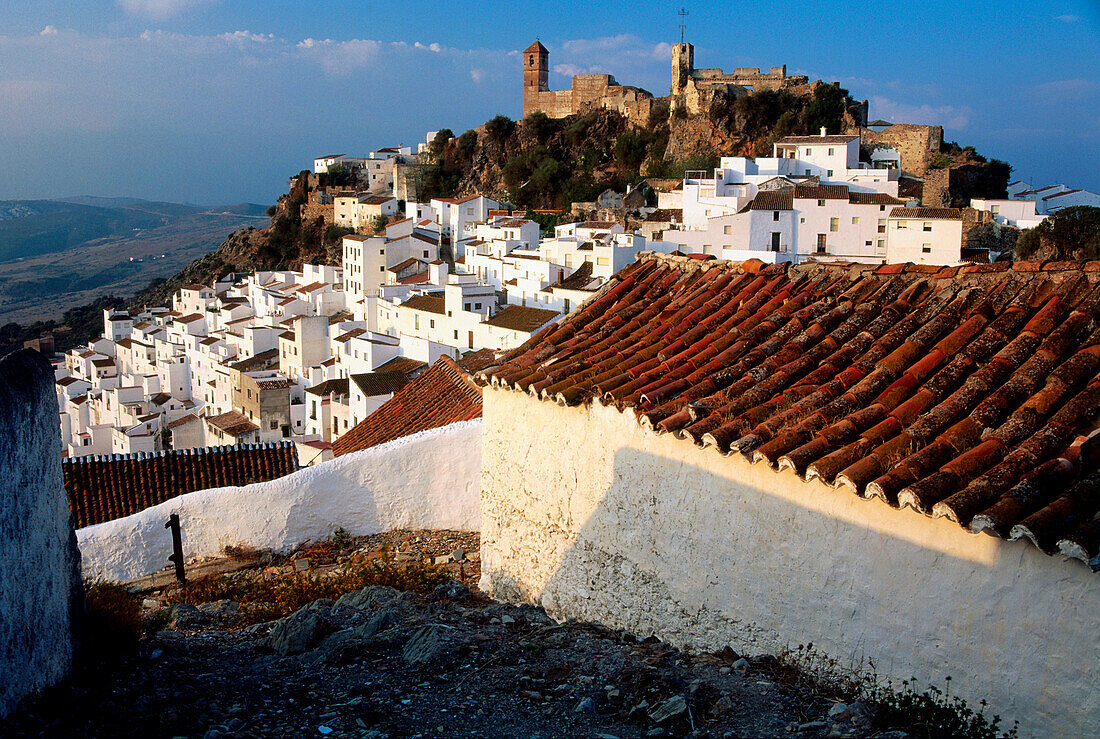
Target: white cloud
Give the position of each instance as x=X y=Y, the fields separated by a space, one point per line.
x=477 y=75
x=430 y=47
x=48 y=31
x=159 y=9
x=243 y=37
x=1071 y=89
x=956 y=117
x=1067 y=18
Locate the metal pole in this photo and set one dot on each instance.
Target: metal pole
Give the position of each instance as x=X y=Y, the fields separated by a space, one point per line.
x=177 y=547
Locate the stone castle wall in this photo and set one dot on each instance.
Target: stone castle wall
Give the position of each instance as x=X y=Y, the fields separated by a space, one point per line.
x=917 y=144
x=312 y=211
x=41 y=595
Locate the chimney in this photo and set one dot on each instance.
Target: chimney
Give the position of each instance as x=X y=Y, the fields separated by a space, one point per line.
x=823 y=132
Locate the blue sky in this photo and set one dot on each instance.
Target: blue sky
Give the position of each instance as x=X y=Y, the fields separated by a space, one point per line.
x=219 y=101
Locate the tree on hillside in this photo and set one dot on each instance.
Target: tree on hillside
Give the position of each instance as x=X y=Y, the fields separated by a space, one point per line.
x=1071 y=233
x=540 y=125
x=499 y=128
x=439 y=141
x=825 y=109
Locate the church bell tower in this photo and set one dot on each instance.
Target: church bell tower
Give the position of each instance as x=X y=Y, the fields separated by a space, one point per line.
x=536 y=76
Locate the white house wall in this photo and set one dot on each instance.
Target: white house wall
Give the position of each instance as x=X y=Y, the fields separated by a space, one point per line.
x=594 y=517
x=427 y=480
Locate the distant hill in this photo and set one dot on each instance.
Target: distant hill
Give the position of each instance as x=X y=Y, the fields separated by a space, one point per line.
x=55 y=254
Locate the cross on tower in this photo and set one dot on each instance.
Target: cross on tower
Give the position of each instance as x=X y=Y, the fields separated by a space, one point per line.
x=682 y=12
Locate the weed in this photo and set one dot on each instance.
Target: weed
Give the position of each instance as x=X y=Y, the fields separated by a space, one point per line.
x=930 y=714
x=114 y=618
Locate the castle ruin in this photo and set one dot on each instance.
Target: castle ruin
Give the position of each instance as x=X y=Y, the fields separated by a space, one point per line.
x=587 y=90
x=692 y=88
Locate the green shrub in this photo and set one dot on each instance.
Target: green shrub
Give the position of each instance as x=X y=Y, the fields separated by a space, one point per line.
x=499 y=128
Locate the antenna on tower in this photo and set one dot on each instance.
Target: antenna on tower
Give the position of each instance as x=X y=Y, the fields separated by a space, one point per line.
x=682 y=12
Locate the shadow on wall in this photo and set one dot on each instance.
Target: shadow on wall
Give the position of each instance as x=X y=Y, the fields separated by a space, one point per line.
x=41 y=595
x=705 y=551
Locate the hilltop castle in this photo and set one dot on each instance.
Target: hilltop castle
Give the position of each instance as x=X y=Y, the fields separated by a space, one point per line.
x=692 y=88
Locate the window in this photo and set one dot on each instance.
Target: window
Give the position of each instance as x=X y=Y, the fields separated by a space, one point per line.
x=882 y=208
x=927 y=226
x=775 y=241
x=775 y=215
x=726 y=230
x=416 y=322
x=801 y=220
x=382 y=268
x=830 y=151
x=855 y=220
x=880 y=244
x=834 y=224
x=567 y=305
x=821 y=243
x=477 y=306
x=882 y=225
x=456 y=334
x=568 y=260
x=431 y=323
x=868 y=242
x=820 y=203
x=465 y=306
x=926 y=248
x=995 y=209
x=603 y=261
x=902 y=225
x=828 y=173
x=274 y=424
x=809 y=151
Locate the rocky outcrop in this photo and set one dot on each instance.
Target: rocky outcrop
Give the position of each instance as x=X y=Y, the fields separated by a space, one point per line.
x=41 y=595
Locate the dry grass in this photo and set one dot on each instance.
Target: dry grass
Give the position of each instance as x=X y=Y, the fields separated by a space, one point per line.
x=263 y=599
x=114 y=621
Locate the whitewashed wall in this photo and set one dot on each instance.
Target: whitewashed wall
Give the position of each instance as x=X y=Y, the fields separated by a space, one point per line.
x=592 y=516
x=427 y=480
x=40 y=589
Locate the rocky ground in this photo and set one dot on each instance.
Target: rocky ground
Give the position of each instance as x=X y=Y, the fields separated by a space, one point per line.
x=378 y=662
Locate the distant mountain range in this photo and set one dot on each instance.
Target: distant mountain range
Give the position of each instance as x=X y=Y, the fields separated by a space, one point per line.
x=55 y=254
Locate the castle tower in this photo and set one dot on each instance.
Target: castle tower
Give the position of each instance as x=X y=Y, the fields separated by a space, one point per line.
x=536 y=76
x=683 y=64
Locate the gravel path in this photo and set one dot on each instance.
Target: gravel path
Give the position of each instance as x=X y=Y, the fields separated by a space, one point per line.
x=380 y=663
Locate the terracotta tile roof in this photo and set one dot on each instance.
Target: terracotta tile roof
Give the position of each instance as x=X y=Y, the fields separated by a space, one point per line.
x=191 y=318
x=275 y=383
x=773 y=200
x=821 y=192
x=66 y=381
x=579 y=280
x=803 y=140
x=442 y=395
x=330 y=387
x=873 y=198
x=522 y=318
x=233 y=423
x=419 y=279
x=187 y=418
x=258 y=361
x=1060 y=194
x=932 y=214
x=429 y=303
x=345 y=337
x=194 y=286
x=403 y=265
x=966 y=393
x=477 y=361
x=380 y=383
x=103 y=488
x=160 y=398
x=596 y=224
x=407 y=365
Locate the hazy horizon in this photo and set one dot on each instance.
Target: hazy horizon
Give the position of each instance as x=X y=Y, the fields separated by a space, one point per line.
x=217 y=103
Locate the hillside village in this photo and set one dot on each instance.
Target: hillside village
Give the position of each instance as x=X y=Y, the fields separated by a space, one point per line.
x=826 y=333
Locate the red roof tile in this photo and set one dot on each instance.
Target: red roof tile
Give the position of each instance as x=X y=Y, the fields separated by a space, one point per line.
x=522 y=318
x=103 y=488
x=967 y=396
x=442 y=395
x=428 y=303
x=233 y=423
